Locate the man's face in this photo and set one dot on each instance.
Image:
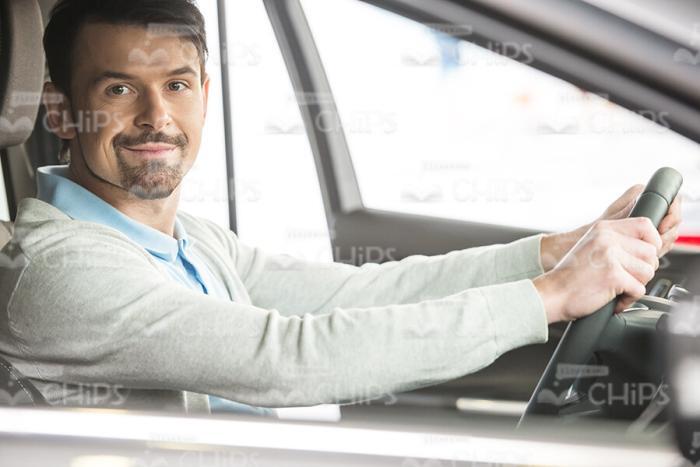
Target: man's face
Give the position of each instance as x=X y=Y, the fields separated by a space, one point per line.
x=140 y=102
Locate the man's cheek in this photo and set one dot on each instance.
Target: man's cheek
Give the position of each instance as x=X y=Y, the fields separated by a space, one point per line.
x=113 y=122
x=110 y=121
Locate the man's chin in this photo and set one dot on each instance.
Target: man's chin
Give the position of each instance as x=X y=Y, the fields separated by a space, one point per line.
x=151 y=193
x=152 y=180
x=154 y=186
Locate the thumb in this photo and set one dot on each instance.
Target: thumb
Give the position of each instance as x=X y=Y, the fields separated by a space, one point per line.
x=625 y=212
x=623 y=302
x=624 y=204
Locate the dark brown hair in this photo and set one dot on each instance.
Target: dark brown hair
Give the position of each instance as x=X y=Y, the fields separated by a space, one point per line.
x=68 y=16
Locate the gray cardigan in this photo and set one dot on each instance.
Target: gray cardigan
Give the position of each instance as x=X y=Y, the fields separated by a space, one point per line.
x=93 y=320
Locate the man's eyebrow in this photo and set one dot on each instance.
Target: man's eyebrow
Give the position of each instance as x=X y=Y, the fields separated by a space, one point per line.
x=185 y=70
x=106 y=75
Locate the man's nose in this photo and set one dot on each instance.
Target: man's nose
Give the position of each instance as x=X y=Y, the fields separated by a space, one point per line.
x=154 y=113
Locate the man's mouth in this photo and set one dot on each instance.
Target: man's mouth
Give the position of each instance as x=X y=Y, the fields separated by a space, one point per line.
x=151 y=150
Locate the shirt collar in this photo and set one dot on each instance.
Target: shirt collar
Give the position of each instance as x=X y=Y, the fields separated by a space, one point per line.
x=55 y=188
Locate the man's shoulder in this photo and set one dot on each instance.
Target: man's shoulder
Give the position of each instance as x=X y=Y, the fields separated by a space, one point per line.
x=41 y=228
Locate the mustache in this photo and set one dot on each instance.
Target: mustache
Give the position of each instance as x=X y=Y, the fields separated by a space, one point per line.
x=144 y=138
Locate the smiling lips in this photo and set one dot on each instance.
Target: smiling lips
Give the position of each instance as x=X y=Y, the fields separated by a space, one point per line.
x=151 y=150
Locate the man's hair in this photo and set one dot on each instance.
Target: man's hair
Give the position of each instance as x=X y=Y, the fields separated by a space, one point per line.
x=181 y=17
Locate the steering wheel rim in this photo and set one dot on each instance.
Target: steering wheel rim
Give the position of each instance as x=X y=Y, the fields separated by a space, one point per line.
x=580 y=338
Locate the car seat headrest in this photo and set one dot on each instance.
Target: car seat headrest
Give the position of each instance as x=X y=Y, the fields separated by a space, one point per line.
x=21 y=69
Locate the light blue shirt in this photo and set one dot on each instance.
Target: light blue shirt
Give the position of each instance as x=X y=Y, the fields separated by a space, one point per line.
x=174 y=253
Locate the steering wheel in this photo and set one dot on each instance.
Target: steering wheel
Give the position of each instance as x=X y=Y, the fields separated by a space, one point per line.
x=580 y=340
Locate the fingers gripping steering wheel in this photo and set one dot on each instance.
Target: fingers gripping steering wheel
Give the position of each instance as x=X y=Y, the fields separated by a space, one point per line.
x=580 y=339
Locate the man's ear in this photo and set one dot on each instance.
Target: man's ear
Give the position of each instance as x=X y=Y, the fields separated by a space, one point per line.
x=58 y=115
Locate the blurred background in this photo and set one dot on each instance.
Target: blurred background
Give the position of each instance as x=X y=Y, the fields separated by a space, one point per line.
x=435 y=125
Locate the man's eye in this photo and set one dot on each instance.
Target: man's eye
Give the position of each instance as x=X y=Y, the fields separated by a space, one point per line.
x=119 y=90
x=177 y=86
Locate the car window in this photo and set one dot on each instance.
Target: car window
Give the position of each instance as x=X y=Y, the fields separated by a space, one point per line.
x=440 y=126
x=278 y=198
x=205 y=189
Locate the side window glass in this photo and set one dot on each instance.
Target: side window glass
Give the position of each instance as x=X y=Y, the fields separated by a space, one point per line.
x=443 y=127
x=278 y=198
x=205 y=188
x=4 y=208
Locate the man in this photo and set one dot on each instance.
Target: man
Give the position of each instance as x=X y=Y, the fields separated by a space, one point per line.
x=110 y=284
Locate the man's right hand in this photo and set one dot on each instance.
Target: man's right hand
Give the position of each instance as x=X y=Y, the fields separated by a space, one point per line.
x=614 y=257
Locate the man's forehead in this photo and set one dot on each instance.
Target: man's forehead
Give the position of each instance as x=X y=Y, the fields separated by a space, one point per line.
x=131 y=49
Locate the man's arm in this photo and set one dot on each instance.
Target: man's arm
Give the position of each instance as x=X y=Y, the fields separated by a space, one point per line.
x=291 y=284
x=101 y=310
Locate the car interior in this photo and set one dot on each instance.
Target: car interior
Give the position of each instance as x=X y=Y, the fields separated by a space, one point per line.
x=626 y=51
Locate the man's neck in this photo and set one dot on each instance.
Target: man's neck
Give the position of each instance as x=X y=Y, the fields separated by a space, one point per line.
x=158 y=214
